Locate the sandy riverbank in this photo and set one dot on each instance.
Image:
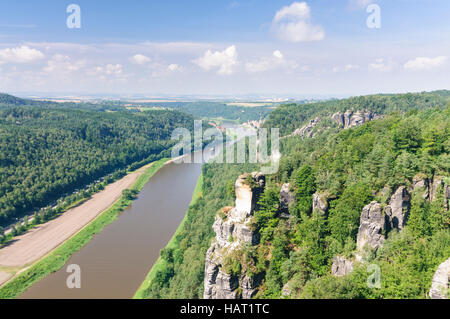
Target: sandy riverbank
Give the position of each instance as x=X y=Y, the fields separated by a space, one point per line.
x=39 y=241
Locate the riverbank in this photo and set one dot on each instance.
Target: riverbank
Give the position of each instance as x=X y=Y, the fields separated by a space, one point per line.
x=54 y=259
x=160 y=264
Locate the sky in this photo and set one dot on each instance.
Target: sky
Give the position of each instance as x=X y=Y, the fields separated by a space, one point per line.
x=224 y=47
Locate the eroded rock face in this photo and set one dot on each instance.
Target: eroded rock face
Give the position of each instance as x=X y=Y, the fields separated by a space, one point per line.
x=338 y=118
x=218 y=285
x=372 y=227
x=422 y=183
x=246 y=196
x=307 y=130
x=286 y=291
x=353 y=119
x=232 y=232
x=440 y=282
x=286 y=198
x=320 y=203
x=341 y=266
x=437 y=183
x=398 y=208
x=376 y=223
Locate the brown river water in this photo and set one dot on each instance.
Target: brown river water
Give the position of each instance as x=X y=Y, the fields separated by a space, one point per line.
x=115 y=262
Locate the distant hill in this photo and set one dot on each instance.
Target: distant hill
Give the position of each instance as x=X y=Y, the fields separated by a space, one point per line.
x=50 y=149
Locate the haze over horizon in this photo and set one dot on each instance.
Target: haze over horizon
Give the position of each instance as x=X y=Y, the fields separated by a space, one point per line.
x=279 y=48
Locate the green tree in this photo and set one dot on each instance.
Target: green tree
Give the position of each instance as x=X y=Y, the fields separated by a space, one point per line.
x=306 y=187
x=265 y=216
x=346 y=212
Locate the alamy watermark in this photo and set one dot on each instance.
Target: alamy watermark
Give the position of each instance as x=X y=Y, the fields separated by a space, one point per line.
x=374 y=280
x=74 y=279
x=74 y=19
x=236 y=149
x=374 y=19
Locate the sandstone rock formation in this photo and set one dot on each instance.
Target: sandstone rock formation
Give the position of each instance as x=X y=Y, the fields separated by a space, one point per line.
x=372 y=227
x=307 y=130
x=437 y=183
x=341 y=266
x=431 y=188
x=376 y=223
x=320 y=203
x=286 y=199
x=286 y=291
x=440 y=282
x=353 y=119
x=232 y=232
x=421 y=182
x=398 y=209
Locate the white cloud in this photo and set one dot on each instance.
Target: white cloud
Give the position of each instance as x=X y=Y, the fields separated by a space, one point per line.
x=140 y=59
x=277 y=54
x=108 y=71
x=61 y=64
x=293 y=24
x=266 y=63
x=345 y=68
x=22 y=54
x=173 y=67
x=425 y=64
x=381 y=65
x=224 y=60
x=113 y=69
x=359 y=4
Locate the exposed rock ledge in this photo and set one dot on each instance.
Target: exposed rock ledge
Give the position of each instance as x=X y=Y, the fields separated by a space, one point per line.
x=307 y=130
x=233 y=232
x=345 y=120
x=286 y=199
x=341 y=266
x=352 y=119
x=440 y=283
x=376 y=223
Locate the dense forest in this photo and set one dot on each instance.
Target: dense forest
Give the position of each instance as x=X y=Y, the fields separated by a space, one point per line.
x=288 y=117
x=48 y=150
x=352 y=167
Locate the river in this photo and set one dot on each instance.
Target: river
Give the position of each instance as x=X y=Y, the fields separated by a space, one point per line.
x=116 y=261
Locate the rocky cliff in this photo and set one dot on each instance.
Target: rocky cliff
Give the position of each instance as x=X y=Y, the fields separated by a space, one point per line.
x=372 y=227
x=345 y=120
x=341 y=266
x=233 y=231
x=320 y=203
x=286 y=199
x=352 y=119
x=440 y=283
x=376 y=222
x=307 y=130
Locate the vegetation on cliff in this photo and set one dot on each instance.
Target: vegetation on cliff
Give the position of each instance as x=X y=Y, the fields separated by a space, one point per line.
x=352 y=167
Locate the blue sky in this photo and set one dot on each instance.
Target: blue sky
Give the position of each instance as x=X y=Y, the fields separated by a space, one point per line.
x=316 y=47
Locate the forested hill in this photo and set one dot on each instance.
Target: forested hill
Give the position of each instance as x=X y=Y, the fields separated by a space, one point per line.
x=47 y=149
x=7 y=100
x=292 y=116
x=398 y=162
